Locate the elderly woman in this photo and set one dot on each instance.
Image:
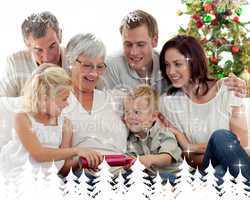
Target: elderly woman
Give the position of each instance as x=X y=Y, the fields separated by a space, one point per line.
x=96 y=125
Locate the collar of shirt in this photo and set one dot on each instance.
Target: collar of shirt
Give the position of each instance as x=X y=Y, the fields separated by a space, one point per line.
x=151 y=133
x=156 y=74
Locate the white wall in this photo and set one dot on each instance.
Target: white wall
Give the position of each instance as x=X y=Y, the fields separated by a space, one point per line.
x=98 y=16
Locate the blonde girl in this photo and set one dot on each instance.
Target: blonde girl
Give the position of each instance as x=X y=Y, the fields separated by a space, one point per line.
x=42 y=135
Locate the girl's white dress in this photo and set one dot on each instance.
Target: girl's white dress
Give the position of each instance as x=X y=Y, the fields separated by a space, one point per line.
x=14 y=156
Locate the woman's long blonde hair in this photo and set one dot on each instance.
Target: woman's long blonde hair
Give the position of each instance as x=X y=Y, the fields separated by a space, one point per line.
x=47 y=80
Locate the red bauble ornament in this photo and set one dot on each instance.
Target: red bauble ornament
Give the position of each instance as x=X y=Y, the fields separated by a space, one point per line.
x=199 y=24
x=207 y=7
x=235 y=49
x=236 y=19
x=213 y=59
x=196 y=17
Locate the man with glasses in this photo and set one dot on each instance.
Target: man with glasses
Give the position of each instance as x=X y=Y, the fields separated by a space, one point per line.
x=42 y=37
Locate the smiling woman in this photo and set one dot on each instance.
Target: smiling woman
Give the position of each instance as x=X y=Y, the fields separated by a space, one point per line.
x=87 y=70
x=210 y=117
x=89 y=109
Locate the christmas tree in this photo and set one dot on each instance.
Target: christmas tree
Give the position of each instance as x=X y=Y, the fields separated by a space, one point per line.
x=225 y=38
x=120 y=187
x=54 y=184
x=71 y=189
x=210 y=191
x=103 y=186
x=240 y=187
x=139 y=187
x=183 y=188
x=227 y=188
x=160 y=191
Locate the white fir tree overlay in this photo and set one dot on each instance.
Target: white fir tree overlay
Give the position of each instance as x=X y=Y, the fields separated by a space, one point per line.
x=227 y=188
x=40 y=184
x=139 y=188
x=210 y=191
x=3 y=188
x=10 y=189
x=71 y=190
x=83 y=188
x=183 y=187
x=54 y=185
x=198 y=185
x=11 y=192
x=161 y=192
x=240 y=187
x=169 y=191
x=26 y=182
x=157 y=189
x=120 y=187
x=35 y=185
x=103 y=188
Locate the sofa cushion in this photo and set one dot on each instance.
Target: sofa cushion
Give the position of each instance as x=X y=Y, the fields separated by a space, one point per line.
x=8 y=106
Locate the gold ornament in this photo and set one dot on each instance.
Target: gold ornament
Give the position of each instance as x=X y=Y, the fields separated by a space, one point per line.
x=179 y=13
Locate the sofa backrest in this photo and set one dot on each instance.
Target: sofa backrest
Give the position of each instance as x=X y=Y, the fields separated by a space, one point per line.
x=10 y=105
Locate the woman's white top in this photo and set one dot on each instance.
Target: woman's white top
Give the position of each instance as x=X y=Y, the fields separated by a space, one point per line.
x=199 y=121
x=101 y=129
x=14 y=156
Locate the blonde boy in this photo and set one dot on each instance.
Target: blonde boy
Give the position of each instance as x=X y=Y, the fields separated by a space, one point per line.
x=156 y=146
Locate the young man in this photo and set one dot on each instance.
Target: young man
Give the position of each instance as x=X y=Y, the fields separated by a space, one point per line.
x=42 y=36
x=139 y=62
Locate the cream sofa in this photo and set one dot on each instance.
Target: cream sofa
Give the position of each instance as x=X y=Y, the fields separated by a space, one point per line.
x=9 y=105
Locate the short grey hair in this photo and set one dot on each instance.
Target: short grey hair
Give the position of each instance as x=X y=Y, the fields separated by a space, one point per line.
x=84 y=44
x=37 y=25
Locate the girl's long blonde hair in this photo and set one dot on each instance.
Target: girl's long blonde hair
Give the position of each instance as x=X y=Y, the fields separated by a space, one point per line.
x=47 y=80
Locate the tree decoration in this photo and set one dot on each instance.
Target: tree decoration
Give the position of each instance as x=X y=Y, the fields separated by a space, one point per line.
x=207 y=18
x=235 y=49
x=217 y=24
x=238 y=11
x=236 y=19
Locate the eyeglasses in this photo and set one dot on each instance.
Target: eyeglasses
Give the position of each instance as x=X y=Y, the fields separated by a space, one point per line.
x=89 y=67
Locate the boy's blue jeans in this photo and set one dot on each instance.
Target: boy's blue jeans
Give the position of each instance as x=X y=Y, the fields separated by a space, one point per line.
x=224 y=151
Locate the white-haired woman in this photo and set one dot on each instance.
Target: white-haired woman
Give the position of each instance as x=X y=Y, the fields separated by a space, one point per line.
x=96 y=125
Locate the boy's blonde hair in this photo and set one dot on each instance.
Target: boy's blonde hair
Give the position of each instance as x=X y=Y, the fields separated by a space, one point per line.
x=48 y=80
x=145 y=91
